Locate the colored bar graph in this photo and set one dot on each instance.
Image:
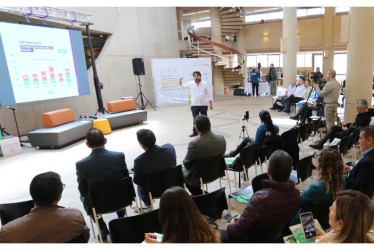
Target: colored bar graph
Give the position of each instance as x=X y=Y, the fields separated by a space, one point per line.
x=44 y=77
x=26 y=80
x=35 y=79
x=60 y=78
x=52 y=74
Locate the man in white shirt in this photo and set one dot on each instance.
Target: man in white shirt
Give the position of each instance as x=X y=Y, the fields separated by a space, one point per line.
x=296 y=96
x=278 y=104
x=201 y=95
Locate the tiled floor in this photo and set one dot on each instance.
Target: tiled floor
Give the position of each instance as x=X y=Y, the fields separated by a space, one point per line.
x=170 y=124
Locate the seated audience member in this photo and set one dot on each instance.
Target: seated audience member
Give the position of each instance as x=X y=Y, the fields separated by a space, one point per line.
x=274 y=205
x=306 y=108
x=278 y=104
x=265 y=131
x=100 y=166
x=330 y=182
x=154 y=159
x=181 y=220
x=47 y=222
x=207 y=145
x=351 y=218
x=362 y=119
x=361 y=173
x=295 y=97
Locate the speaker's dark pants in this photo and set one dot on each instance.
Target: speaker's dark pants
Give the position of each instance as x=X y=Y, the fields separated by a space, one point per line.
x=254 y=87
x=198 y=110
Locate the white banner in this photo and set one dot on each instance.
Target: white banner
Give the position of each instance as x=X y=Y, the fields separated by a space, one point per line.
x=166 y=73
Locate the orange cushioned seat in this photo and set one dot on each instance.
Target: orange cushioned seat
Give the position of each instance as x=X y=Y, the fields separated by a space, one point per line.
x=58 y=117
x=121 y=105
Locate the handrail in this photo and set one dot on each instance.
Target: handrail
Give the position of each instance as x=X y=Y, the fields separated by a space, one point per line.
x=217 y=45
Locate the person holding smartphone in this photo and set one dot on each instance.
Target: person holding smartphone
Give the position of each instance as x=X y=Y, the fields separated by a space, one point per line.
x=351 y=219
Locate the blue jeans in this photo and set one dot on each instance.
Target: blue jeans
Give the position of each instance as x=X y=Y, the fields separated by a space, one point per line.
x=198 y=110
x=143 y=194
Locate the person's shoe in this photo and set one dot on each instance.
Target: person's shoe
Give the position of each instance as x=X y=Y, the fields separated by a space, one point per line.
x=280 y=109
x=193 y=134
x=272 y=108
x=286 y=111
x=317 y=146
x=231 y=154
x=295 y=117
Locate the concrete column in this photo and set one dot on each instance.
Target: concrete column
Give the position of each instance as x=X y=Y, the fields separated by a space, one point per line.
x=290 y=45
x=216 y=33
x=328 y=39
x=180 y=23
x=359 y=81
x=216 y=30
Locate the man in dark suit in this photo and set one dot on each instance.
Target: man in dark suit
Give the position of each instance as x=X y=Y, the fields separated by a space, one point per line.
x=154 y=159
x=100 y=166
x=205 y=146
x=361 y=173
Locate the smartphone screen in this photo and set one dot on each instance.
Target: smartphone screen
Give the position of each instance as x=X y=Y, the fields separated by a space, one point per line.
x=308 y=225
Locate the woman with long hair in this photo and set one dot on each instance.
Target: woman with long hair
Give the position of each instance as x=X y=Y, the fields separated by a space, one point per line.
x=265 y=131
x=181 y=220
x=351 y=218
x=330 y=181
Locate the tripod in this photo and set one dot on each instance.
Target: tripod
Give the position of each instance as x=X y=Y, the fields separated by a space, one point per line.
x=19 y=135
x=243 y=132
x=141 y=95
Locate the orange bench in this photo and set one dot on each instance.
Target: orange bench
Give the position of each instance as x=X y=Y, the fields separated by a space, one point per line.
x=121 y=106
x=58 y=117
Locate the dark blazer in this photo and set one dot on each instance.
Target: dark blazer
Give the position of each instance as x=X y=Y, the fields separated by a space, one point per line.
x=205 y=146
x=362 y=175
x=101 y=165
x=153 y=160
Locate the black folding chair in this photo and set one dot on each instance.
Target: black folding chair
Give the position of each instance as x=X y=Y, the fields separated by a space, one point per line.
x=304 y=169
x=321 y=210
x=157 y=183
x=211 y=169
x=79 y=239
x=12 y=211
x=212 y=204
x=343 y=145
x=246 y=159
x=110 y=197
x=303 y=134
x=132 y=229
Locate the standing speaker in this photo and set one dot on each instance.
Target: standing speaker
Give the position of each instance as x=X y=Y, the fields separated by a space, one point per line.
x=138 y=66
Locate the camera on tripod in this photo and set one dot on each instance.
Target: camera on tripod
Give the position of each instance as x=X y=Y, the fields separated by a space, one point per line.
x=246 y=116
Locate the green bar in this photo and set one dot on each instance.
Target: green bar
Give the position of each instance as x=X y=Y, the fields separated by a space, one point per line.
x=62 y=51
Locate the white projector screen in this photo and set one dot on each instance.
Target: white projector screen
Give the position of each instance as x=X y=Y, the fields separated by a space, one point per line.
x=40 y=63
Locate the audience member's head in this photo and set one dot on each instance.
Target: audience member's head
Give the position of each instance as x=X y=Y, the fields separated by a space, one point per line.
x=351 y=217
x=196 y=73
x=361 y=105
x=95 y=138
x=330 y=74
x=331 y=170
x=181 y=220
x=202 y=123
x=366 y=139
x=280 y=166
x=146 y=138
x=266 y=119
x=308 y=83
x=293 y=83
x=301 y=81
x=46 y=189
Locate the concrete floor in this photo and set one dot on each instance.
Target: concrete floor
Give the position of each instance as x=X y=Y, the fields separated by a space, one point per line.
x=170 y=125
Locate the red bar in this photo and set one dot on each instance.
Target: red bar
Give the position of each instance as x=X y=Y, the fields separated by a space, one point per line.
x=35 y=77
x=25 y=77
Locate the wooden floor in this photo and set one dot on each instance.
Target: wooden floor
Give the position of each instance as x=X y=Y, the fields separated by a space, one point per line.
x=170 y=125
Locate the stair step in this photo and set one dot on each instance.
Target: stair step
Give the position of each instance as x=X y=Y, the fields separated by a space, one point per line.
x=232 y=19
x=231 y=23
x=228 y=11
x=236 y=14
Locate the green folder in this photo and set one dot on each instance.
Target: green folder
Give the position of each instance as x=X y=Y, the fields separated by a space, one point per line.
x=229 y=160
x=243 y=198
x=298 y=233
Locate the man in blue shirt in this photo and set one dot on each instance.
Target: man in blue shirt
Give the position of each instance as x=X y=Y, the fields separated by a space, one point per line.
x=254 y=79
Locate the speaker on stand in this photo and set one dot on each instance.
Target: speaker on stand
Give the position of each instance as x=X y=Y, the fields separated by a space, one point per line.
x=138 y=68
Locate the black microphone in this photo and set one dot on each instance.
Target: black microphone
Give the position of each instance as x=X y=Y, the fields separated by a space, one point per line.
x=11 y=108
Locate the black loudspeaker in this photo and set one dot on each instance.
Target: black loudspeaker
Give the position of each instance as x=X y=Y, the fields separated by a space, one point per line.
x=239 y=92
x=138 y=66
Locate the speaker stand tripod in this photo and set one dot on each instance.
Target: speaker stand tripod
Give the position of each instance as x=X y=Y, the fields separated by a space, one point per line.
x=18 y=134
x=141 y=95
x=243 y=133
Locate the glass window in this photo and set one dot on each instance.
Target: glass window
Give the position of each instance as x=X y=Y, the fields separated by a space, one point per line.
x=251 y=61
x=281 y=60
x=263 y=59
x=300 y=60
x=274 y=59
x=274 y=15
x=340 y=63
x=301 y=12
x=201 y=24
x=315 y=11
x=308 y=62
x=255 y=18
x=341 y=9
x=318 y=62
